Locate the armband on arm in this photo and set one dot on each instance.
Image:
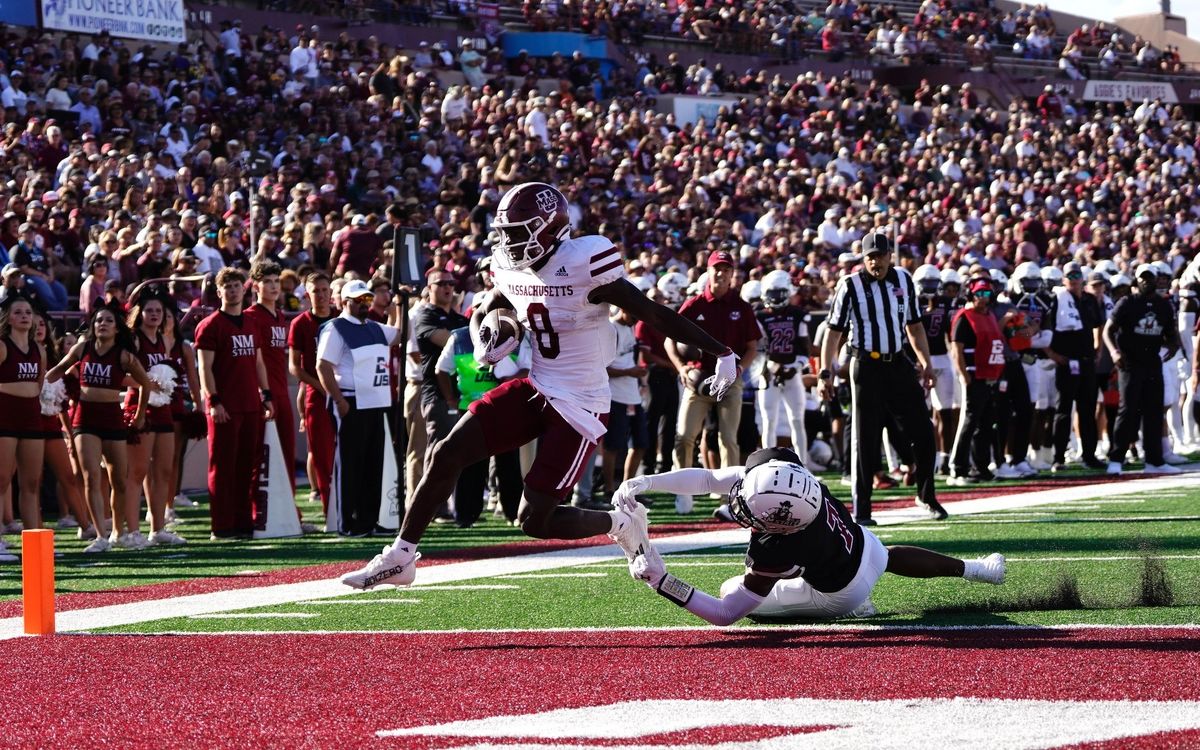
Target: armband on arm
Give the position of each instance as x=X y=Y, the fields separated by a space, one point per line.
x=676 y=590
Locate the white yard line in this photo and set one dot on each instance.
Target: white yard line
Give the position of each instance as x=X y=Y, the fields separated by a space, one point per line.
x=229 y=601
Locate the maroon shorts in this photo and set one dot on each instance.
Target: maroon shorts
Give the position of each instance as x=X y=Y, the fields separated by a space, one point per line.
x=104 y=419
x=52 y=427
x=514 y=414
x=20 y=416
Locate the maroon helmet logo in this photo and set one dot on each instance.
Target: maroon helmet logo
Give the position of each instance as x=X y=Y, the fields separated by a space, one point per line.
x=547 y=201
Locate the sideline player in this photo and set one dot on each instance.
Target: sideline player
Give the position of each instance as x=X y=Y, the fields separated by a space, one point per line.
x=561 y=289
x=1030 y=298
x=807 y=557
x=938 y=306
x=785 y=353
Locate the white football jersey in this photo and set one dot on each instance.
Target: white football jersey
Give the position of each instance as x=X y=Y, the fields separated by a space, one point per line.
x=573 y=340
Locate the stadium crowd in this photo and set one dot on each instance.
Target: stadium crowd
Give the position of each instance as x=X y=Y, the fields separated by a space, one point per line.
x=120 y=165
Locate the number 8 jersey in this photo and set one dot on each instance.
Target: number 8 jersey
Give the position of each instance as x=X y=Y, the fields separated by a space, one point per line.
x=572 y=338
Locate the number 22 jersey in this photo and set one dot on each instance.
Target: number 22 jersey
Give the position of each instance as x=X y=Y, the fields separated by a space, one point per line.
x=572 y=339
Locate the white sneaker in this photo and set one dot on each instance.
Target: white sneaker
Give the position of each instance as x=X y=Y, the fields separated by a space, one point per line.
x=170 y=518
x=131 y=540
x=1164 y=469
x=1114 y=468
x=86 y=535
x=866 y=609
x=1037 y=463
x=1005 y=471
x=1174 y=458
x=67 y=522
x=14 y=527
x=99 y=544
x=183 y=501
x=308 y=528
x=988 y=570
x=395 y=565
x=1025 y=469
x=5 y=555
x=630 y=530
x=683 y=504
x=165 y=538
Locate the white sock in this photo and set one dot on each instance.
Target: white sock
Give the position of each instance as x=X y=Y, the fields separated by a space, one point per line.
x=407 y=549
x=972 y=569
x=618 y=519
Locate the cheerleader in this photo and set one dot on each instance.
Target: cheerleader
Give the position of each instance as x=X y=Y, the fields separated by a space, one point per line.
x=58 y=453
x=187 y=421
x=152 y=449
x=104 y=356
x=22 y=364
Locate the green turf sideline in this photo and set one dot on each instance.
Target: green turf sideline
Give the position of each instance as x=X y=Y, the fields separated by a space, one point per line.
x=146 y=612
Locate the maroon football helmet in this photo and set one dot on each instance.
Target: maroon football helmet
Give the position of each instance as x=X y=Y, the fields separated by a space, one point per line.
x=531 y=222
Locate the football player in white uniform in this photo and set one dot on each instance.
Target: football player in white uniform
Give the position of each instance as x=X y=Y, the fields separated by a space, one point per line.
x=806 y=558
x=560 y=289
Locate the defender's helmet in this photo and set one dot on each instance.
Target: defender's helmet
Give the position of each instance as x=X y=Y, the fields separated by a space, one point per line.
x=928 y=279
x=672 y=286
x=778 y=497
x=531 y=222
x=1052 y=276
x=950 y=277
x=777 y=289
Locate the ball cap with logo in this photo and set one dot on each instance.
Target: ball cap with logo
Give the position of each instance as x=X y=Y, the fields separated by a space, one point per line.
x=720 y=257
x=356 y=289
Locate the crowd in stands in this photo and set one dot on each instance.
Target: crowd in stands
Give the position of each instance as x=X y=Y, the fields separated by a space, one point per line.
x=119 y=164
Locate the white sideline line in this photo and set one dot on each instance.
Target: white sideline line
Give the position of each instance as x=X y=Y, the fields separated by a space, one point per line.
x=251 y=615
x=358 y=601
x=464 y=587
x=729 y=630
x=1102 y=558
x=228 y=601
x=556 y=575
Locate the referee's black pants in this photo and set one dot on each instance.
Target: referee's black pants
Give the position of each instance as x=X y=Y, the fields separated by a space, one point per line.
x=1141 y=387
x=661 y=416
x=879 y=388
x=1078 y=390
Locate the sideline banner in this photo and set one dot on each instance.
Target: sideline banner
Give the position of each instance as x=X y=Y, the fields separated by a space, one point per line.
x=152 y=20
x=1135 y=91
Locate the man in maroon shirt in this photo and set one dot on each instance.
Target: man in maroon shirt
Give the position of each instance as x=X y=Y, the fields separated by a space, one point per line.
x=356 y=249
x=730 y=320
x=273 y=329
x=231 y=365
x=318 y=423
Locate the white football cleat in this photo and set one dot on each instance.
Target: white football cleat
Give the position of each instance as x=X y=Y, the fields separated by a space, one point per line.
x=1164 y=469
x=988 y=570
x=684 y=504
x=396 y=566
x=630 y=530
x=866 y=609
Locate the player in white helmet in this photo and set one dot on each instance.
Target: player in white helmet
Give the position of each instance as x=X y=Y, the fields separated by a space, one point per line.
x=1052 y=278
x=806 y=557
x=1175 y=371
x=1033 y=302
x=673 y=286
x=939 y=302
x=785 y=351
x=751 y=292
x=952 y=282
x=561 y=289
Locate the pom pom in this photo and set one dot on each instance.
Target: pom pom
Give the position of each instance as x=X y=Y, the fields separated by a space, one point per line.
x=53 y=396
x=163 y=375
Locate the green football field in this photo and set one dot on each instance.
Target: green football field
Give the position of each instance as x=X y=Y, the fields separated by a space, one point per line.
x=1125 y=559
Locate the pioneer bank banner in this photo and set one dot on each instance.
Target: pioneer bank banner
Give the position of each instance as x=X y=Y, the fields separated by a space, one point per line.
x=152 y=20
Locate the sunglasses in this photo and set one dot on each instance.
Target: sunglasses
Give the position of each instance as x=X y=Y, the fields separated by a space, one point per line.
x=1075 y=276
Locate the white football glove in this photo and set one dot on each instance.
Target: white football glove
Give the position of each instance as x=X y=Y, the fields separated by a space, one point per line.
x=725 y=376
x=625 y=498
x=487 y=350
x=649 y=568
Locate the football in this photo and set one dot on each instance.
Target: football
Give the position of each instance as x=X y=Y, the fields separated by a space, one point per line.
x=503 y=324
x=688 y=353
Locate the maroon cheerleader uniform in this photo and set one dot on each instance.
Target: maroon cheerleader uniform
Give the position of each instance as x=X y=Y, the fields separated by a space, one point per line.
x=20 y=416
x=151 y=353
x=104 y=419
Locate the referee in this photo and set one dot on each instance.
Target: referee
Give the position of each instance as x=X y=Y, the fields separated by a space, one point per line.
x=877 y=305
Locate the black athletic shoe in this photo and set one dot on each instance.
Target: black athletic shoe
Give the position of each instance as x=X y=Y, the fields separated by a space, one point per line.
x=866 y=521
x=1094 y=463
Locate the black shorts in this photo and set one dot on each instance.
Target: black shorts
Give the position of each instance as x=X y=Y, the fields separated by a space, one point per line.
x=623 y=427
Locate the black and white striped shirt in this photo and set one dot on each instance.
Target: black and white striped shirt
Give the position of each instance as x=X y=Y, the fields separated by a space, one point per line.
x=875 y=312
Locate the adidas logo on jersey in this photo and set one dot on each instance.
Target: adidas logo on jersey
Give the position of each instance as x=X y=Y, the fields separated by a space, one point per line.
x=562 y=271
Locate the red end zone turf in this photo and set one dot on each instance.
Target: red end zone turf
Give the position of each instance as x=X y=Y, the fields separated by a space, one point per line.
x=340 y=690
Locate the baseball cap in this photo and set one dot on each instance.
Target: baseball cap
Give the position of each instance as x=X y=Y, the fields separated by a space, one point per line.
x=355 y=289
x=876 y=242
x=1145 y=269
x=720 y=257
x=980 y=284
x=1073 y=268
x=9 y=269
x=359 y=220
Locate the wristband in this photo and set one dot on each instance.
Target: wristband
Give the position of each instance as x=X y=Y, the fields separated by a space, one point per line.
x=214 y=400
x=824 y=375
x=676 y=590
x=266 y=395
